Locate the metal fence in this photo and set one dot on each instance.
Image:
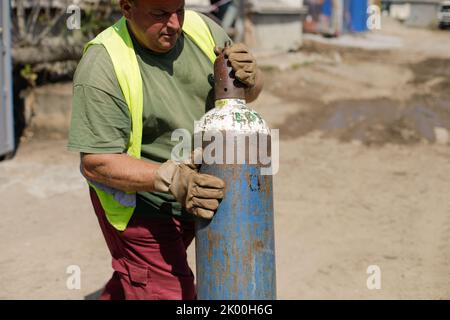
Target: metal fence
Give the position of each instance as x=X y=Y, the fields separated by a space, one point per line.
x=6 y=105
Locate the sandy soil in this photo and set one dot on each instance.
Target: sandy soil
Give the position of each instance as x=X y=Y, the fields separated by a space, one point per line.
x=361 y=191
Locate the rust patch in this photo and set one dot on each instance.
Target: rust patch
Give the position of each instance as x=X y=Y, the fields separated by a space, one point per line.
x=258 y=245
x=213 y=241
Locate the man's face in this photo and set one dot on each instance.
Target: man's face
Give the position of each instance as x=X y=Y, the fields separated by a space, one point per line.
x=157 y=24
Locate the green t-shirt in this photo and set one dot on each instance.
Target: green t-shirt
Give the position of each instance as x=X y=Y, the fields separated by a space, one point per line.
x=177 y=89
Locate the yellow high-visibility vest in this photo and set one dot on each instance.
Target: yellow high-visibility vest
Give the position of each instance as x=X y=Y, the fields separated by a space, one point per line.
x=119 y=206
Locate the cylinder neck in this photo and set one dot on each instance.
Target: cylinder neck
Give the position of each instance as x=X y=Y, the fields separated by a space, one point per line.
x=226 y=86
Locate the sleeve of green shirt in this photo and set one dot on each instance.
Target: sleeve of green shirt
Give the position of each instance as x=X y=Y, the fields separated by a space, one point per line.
x=100 y=120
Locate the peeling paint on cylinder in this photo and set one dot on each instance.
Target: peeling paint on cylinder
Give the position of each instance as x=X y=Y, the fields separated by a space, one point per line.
x=235 y=257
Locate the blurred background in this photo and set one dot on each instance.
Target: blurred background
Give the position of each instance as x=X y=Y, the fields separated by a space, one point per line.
x=360 y=91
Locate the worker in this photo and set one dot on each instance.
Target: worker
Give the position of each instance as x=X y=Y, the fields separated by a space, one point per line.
x=138 y=81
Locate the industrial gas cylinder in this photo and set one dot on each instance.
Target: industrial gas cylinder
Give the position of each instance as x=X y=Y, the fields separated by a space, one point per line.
x=235 y=257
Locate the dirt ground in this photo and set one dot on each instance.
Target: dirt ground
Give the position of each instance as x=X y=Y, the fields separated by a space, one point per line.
x=364 y=161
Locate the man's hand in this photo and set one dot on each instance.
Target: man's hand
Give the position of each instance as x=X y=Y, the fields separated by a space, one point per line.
x=244 y=66
x=242 y=62
x=198 y=193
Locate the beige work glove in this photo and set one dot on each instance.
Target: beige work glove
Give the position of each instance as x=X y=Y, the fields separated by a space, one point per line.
x=242 y=62
x=198 y=193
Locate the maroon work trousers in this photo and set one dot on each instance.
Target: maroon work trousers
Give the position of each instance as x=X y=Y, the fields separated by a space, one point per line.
x=149 y=258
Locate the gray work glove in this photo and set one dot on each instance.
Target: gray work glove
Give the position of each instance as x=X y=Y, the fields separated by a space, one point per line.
x=198 y=193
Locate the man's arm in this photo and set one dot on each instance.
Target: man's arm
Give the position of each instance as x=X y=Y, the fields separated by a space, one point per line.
x=198 y=193
x=119 y=171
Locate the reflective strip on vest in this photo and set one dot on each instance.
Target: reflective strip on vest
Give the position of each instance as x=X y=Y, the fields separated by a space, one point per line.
x=118 y=205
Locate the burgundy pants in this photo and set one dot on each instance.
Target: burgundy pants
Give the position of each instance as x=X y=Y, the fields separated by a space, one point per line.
x=149 y=258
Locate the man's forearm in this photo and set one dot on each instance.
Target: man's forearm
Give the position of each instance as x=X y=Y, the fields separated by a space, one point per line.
x=119 y=171
x=252 y=94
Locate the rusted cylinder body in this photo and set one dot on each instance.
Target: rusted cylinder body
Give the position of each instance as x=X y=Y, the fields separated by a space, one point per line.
x=235 y=256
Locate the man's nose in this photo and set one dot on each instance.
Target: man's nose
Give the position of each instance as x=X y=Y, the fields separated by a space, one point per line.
x=174 y=21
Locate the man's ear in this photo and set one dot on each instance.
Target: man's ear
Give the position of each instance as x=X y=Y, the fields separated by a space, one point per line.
x=126 y=6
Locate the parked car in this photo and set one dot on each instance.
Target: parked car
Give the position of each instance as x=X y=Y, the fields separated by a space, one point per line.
x=444 y=15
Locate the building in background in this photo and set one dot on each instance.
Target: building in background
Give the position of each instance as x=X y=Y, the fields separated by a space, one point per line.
x=274 y=25
x=199 y=5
